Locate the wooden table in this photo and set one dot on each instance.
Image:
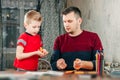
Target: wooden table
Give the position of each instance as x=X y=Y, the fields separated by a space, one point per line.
x=13 y=75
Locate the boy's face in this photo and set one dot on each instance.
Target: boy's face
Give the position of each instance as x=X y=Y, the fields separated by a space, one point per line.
x=33 y=28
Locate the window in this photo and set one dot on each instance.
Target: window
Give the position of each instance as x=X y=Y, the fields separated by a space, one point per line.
x=12 y=20
x=10 y=23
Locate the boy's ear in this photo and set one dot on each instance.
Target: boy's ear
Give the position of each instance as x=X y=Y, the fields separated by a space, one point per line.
x=25 y=25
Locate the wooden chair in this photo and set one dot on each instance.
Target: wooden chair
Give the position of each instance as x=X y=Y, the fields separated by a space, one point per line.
x=44 y=65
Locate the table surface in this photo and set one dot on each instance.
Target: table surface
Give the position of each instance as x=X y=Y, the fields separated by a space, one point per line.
x=50 y=75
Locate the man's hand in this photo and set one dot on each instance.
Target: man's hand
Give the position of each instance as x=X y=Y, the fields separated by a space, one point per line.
x=61 y=64
x=77 y=64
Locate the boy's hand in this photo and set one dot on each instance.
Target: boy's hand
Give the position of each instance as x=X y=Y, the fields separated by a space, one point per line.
x=44 y=52
x=41 y=49
x=39 y=53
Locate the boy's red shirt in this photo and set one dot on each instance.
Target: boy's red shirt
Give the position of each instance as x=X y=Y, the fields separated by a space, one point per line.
x=30 y=43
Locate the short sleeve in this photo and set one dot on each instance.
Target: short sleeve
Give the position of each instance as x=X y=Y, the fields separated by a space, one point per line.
x=22 y=40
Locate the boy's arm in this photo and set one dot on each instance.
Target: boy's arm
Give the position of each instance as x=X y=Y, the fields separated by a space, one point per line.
x=20 y=55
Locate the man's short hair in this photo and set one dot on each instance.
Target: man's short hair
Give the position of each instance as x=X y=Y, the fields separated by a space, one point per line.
x=72 y=9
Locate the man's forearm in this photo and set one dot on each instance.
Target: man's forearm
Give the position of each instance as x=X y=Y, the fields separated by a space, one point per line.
x=87 y=65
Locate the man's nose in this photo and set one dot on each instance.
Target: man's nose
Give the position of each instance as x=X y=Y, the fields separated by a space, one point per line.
x=66 y=24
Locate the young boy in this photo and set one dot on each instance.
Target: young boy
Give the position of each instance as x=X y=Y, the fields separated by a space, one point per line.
x=29 y=43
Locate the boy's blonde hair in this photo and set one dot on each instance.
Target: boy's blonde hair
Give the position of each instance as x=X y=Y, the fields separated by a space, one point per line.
x=32 y=15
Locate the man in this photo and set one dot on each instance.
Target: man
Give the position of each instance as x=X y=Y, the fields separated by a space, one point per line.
x=77 y=48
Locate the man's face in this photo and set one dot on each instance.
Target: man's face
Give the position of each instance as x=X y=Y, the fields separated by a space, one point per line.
x=71 y=22
x=33 y=27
